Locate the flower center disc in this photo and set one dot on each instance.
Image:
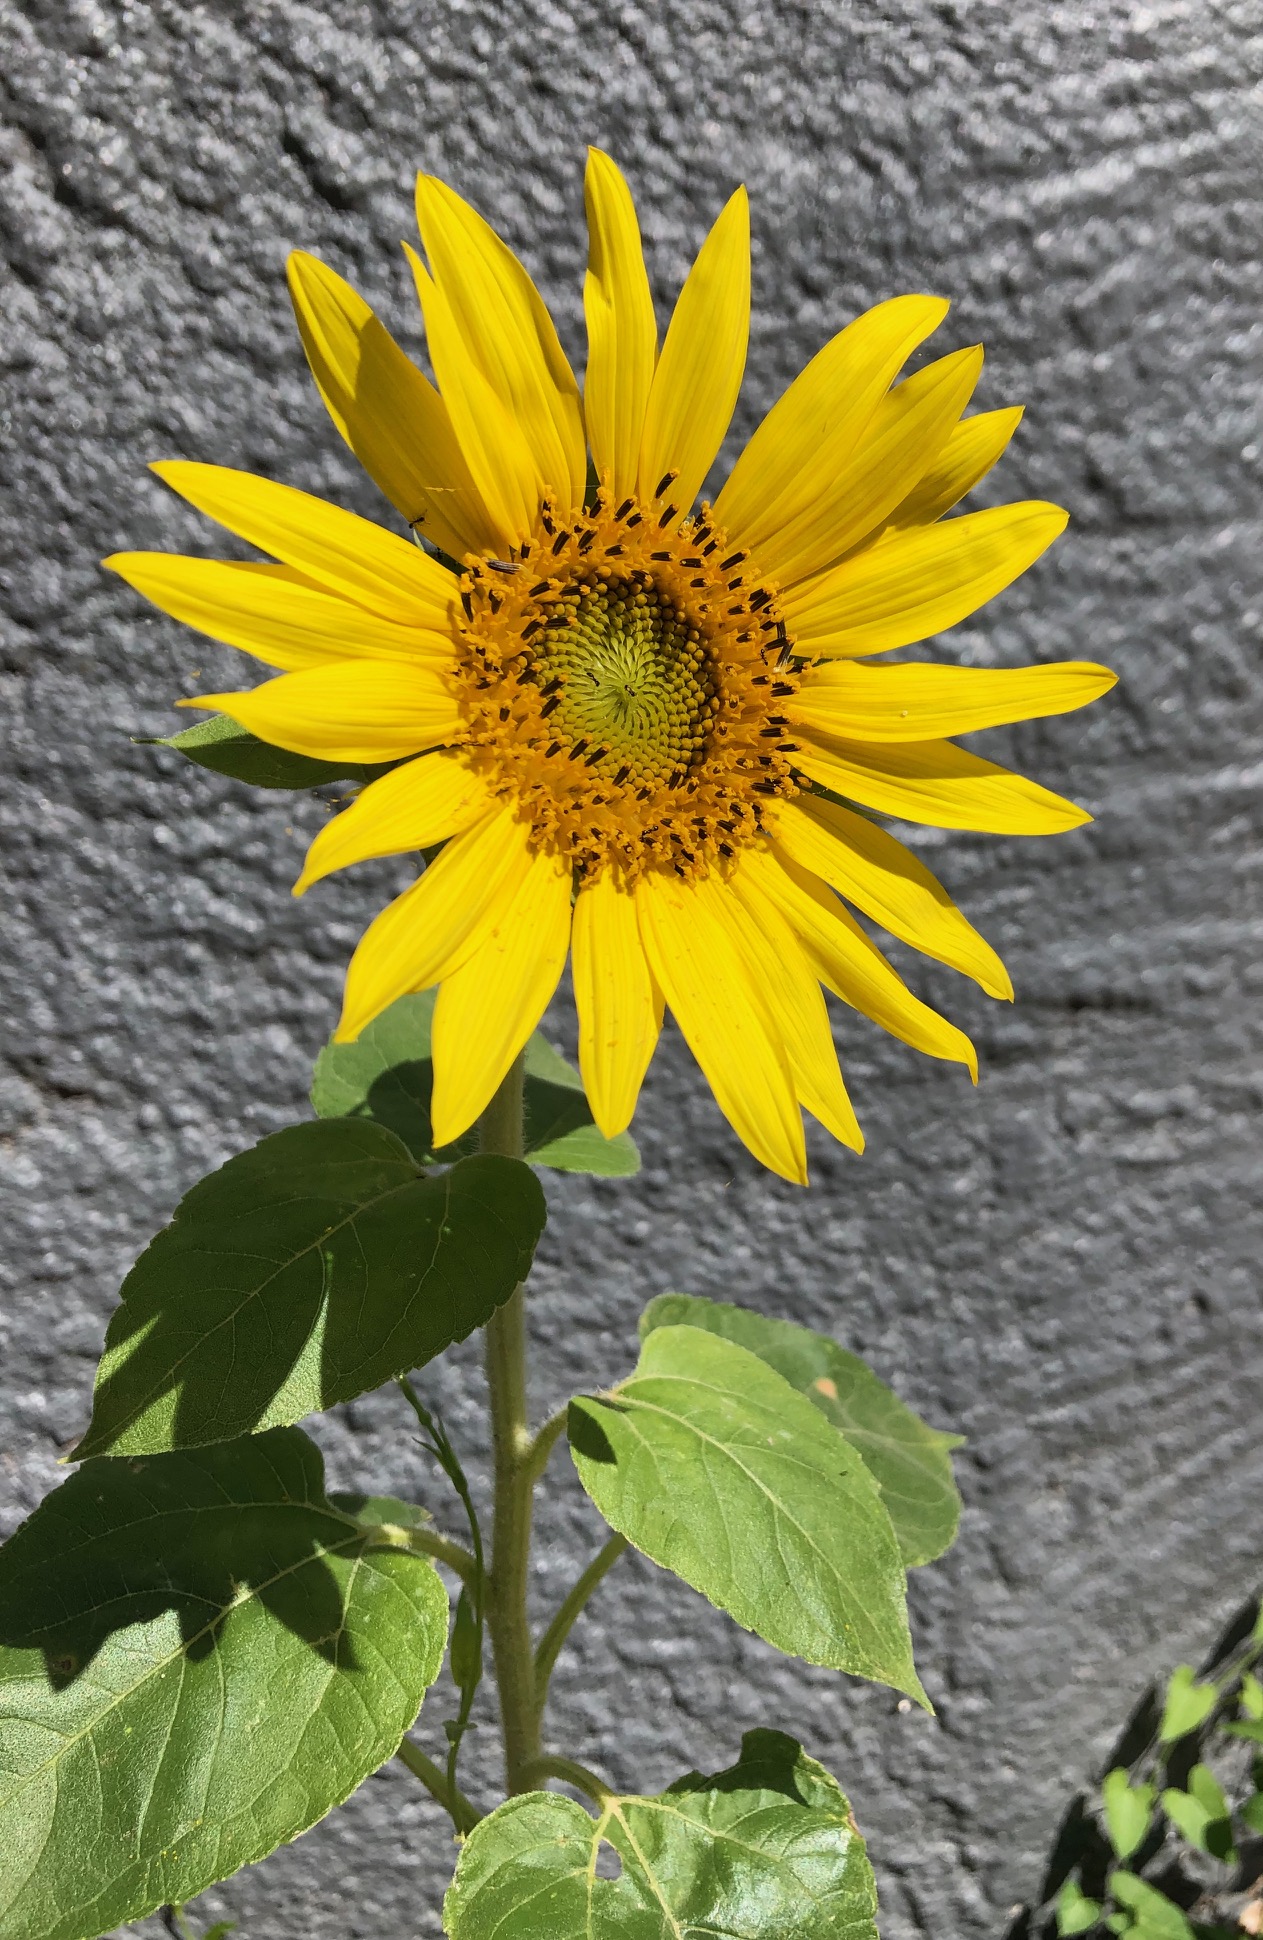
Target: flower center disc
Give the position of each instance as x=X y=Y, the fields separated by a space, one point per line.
x=635 y=680
x=620 y=684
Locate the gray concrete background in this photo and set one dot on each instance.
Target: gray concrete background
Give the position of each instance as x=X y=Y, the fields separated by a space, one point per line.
x=1064 y=1264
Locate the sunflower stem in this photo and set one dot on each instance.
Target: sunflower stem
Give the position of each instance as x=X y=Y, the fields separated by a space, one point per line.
x=502 y=1131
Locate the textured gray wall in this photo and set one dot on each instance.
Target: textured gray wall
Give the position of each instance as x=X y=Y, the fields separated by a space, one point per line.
x=1062 y=1264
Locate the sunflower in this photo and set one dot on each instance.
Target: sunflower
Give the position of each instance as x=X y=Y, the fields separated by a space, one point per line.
x=645 y=735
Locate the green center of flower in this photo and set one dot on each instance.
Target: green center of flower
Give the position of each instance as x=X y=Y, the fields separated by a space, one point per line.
x=628 y=680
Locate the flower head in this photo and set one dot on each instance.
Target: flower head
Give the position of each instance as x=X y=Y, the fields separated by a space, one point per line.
x=643 y=733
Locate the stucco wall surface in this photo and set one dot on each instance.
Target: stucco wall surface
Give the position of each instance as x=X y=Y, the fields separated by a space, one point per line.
x=1063 y=1265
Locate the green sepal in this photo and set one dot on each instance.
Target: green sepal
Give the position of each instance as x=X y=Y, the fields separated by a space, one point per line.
x=709 y=1462
x=200 y=1656
x=767 y=1848
x=910 y=1461
x=386 y=1074
x=306 y=1271
x=221 y=745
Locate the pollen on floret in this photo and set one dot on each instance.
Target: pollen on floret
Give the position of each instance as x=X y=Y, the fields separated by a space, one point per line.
x=621 y=682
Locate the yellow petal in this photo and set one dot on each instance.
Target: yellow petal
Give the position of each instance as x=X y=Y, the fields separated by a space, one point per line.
x=913 y=584
x=272 y=612
x=356 y=710
x=716 y=996
x=487 y=1008
x=492 y=441
x=387 y=410
x=412 y=807
x=902 y=438
x=885 y=880
x=622 y=331
x=437 y=923
x=915 y=702
x=345 y=554
x=699 y=373
x=937 y=783
x=508 y=334
x=971 y=450
x=808 y=437
x=793 y=991
x=850 y=964
x=619 y=1005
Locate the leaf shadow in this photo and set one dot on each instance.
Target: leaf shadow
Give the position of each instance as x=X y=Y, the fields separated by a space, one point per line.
x=71 y=1599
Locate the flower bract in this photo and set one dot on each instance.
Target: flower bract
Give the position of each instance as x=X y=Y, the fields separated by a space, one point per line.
x=648 y=734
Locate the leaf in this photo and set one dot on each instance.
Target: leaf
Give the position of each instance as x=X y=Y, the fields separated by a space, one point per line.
x=768 y=1848
x=221 y=745
x=1128 y=1811
x=1252 y=1697
x=1188 y=1704
x=909 y=1460
x=1076 y=1913
x=307 y=1270
x=386 y=1074
x=199 y=1656
x=1252 y=1813
x=1249 y=1730
x=1149 y=1914
x=1201 y=1814
x=381 y=1511
x=708 y=1461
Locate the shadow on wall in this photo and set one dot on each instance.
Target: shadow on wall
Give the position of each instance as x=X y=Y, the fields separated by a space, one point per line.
x=1170 y=1845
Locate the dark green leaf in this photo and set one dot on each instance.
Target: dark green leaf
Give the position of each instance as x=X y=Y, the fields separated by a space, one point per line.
x=307 y=1270
x=229 y=750
x=386 y=1074
x=909 y=1460
x=199 y=1656
x=1128 y=1811
x=767 y=1849
x=712 y=1464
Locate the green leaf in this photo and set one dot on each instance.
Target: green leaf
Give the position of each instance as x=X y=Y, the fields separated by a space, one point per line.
x=1252 y=1697
x=1149 y=1914
x=1201 y=1814
x=1252 y=1813
x=386 y=1075
x=199 y=1656
x=1250 y=1730
x=768 y=1848
x=710 y=1462
x=221 y=745
x=306 y=1271
x=1076 y=1913
x=384 y=1512
x=1188 y=1704
x=909 y=1460
x=1128 y=1811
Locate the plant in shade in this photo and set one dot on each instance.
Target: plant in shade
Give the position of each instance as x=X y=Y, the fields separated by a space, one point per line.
x=642 y=734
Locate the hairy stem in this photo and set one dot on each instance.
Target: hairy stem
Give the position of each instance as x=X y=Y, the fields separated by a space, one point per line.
x=571 y=1772
x=444 y=1550
x=463 y=1814
x=512 y=1447
x=559 y=1629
